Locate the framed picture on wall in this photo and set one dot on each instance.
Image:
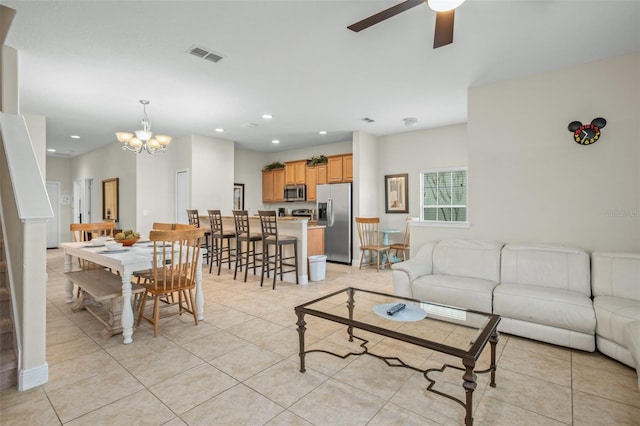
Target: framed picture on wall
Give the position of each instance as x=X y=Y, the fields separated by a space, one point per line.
x=238 y=196
x=110 y=205
x=396 y=193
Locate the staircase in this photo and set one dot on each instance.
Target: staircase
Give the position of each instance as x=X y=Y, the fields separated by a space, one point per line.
x=8 y=359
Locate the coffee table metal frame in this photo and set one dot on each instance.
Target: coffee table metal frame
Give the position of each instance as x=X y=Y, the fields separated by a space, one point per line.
x=486 y=333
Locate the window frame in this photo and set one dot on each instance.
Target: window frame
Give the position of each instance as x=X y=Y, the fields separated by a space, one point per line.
x=438 y=223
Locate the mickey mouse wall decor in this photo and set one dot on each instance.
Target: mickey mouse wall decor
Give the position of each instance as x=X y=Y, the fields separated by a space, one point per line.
x=587 y=134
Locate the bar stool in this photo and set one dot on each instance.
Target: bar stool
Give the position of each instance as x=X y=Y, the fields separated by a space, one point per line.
x=245 y=258
x=218 y=237
x=271 y=237
x=194 y=219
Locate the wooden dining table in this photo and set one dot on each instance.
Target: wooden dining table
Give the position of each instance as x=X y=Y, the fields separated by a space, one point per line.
x=136 y=258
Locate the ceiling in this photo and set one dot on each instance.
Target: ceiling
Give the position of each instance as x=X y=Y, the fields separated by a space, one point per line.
x=86 y=64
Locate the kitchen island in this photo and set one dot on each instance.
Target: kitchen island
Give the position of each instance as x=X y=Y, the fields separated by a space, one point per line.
x=294 y=226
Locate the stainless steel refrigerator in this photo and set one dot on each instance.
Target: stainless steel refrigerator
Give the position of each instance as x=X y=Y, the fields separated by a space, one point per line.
x=333 y=206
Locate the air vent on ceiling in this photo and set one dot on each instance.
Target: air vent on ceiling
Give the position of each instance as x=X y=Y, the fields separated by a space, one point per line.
x=204 y=53
x=368 y=120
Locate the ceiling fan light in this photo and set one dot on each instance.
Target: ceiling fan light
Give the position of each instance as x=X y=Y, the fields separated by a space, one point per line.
x=444 y=5
x=124 y=137
x=163 y=139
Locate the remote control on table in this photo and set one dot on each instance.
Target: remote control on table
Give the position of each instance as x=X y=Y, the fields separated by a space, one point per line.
x=396 y=308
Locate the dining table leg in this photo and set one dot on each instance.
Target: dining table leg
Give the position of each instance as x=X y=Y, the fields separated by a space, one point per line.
x=127 y=310
x=68 y=288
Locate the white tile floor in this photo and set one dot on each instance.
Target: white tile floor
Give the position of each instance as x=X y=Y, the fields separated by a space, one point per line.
x=240 y=367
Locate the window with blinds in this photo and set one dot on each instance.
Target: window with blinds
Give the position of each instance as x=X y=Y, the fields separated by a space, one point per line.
x=444 y=195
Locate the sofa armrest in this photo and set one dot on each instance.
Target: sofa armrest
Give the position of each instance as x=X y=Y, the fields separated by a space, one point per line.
x=404 y=273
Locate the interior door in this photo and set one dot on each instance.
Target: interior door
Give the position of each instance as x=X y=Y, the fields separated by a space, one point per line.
x=53 y=227
x=182 y=196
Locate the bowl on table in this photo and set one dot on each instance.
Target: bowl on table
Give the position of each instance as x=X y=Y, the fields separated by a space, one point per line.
x=114 y=246
x=128 y=241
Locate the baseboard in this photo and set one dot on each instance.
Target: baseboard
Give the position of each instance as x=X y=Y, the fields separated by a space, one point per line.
x=33 y=377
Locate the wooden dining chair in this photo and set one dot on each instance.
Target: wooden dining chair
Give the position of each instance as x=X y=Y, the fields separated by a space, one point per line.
x=175 y=262
x=86 y=232
x=402 y=247
x=370 y=241
x=194 y=219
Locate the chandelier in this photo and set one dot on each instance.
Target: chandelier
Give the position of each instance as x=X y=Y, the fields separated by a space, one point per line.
x=143 y=140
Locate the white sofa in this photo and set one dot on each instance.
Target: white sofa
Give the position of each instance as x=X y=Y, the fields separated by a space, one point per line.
x=541 y=291
x=451 y=272
x=616 y=290
x=545 y=294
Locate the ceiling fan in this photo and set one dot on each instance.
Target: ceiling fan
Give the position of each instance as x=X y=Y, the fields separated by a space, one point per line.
x=445 y=10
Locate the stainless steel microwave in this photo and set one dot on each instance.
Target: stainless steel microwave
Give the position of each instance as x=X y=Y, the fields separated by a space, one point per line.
x=295 y=193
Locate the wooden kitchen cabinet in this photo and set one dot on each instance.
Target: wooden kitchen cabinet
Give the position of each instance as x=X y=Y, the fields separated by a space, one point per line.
x=273 y=185
x=347 y=168
x=315 y=241
x=296 y=172
x=316 y=175
x=340 y=168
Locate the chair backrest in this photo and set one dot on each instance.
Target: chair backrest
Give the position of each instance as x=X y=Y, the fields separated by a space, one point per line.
x=215 y=219
x=368 y=231
x=160 y=226
x=175 y=258
x=88 y=231
x=406 y=232
x=194 y=218
x=269 y=224
x=241 y=220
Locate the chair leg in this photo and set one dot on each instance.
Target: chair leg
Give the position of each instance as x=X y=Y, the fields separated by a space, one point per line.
x=156 y=315
x=361 y=257
x=295 y=259
x=142 y=305
x=194 y=309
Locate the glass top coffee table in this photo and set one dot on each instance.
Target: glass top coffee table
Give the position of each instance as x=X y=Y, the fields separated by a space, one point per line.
x=367 y=310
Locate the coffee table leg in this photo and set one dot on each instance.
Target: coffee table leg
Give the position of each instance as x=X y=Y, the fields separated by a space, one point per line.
x=301 y=329
x=494 y=342
x=469 y=385
x=350 y=305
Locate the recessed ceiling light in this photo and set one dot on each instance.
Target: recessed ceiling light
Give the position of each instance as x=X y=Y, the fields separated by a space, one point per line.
x=267 y=116
x=51 y=150
x=322 y=132
x=220 y=130
x=275 y=141
x=75 y=137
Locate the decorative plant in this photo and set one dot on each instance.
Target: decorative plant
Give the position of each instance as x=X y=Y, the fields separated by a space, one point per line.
x=274 y=165
x=318 y=159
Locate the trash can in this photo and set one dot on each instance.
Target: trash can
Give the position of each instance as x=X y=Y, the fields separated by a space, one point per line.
x=317 y=267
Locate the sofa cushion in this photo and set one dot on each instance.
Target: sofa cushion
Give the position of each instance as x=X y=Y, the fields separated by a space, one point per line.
x=546 y=265
x=463 y=292
x=541 y=305
x=616 y=274
x=468 y=258
x=613 y=314
x=632 y=338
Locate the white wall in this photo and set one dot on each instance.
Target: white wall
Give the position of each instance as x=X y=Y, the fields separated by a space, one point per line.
x=532 y=182
x=528 y=179
x=155 y=189
x=108 y=162
x=411 y=153
x=212 y=174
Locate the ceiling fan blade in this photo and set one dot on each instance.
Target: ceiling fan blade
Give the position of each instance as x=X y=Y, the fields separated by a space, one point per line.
x=444 y=29
x=385 y=14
